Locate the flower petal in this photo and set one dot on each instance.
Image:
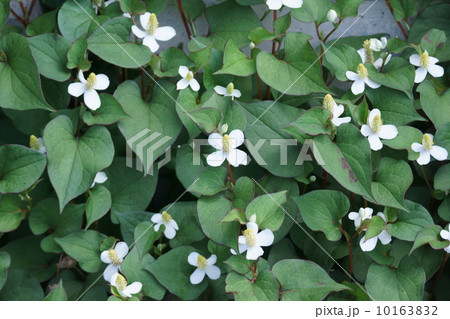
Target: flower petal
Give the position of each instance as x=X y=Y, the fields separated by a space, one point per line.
x=242 y=247
x=92 y=99
x=169 y=232
x=369 y=244
x=110 y=270
x=164 y=33
x=388 y=132
x=436 y=70
x=254 y=252
x=375 y=142
x=362 y=54
x=113 y=279
x=372 y=115
x=439 y=153
x=445 y=234
x=236 y=138
x=104 y=257
x=378 y=63
x=197 y=276
x=144 y=19
x=132 y=289
x=149 y=41
x=421 y=73
x=424 y=157
x=372 y=84
x=220 y=90
x=216 y=159
x=338 y=120
x=414 y=59
x=417 y=147
x=265 y=238
x=384 y=237
x=76 y=89
x=352 y=76
x=236 y=93
x=157 y=225
x=100 y=178
x=366 y=130
x=156 y=218
x=211 y=260
x=213 y=272
x=358 y=86
x=193 y=258
x=138 y=32
x=121 y=249
x=182 y=84
x=216 y=141
x=174 y=224
x=253 y=226
x=183 y=71
x=102 y=82
x=274 y=4
x=194 y=85
x=237 y=157
x=294 y=4
x=81 y=76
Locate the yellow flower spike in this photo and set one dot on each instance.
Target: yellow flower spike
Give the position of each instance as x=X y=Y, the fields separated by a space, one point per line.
x=91 y=81
x=121 y=282
x=368 y=51
x=250 y=237
x=362 y=71
x=165 y=216
x=424 y=59
x=328 y=102
x=202 y=263
x=153 y=24
x=376 y=124
x=226 y=143
x=427 y=141
x=114 y=257
x=230 y=88
x=34 y=143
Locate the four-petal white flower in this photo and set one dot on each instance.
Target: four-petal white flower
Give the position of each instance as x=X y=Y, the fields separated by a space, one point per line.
x=152 y=31
x=371 y=243
x=170 y=224
x=228 y=91
x=362 y=214
x=226 y=149
x=277 y=4
x=125 y=290
x=375 y=130
x=204 y=267
x=428 y=148
x=187 y=79
x=89 y=88
x=426 y=64
x=99 y=178
x=360 y=78
x=445 y=234
x=330 y=104
x=252 y=241
x=114 y=258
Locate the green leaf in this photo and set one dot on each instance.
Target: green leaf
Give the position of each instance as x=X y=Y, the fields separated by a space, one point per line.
x=347 y=8
x=312 y=11
x=211 y=210
x=110 y=112
x=264 y=288
x=50 y=53
x=298 y=74
x=406 y=283
x=73 y=161
x=186 y=170
x=347 y=160
x=5 y=262
x=173 y=271
x=442 y=178
x=268 y=210
x=187 y=101
x=132 y=6
x=398 y=74
x=45 y=216
x=157 y=118
x=11 y=212
x=97 y=205
x=4 y=12
x=396 y=108
x=409 y=224
x=235 y=25
x=193 y=8
x=281 y=24
x=130 y=190
x=313 y=122
x=236 y=62
x=303 y=280
x=20 y=286
x=129 y=222
x=134 y=268
x=375 y=226
x=407 y=135
x=45 y=23
x=260 y=34
x=20 y=89
x=210 y=181
x=341 y=58
x=435 y=106
x=434 y=42
x=20 y=167
x=200 y=54
x=156 y=6
x=77 y=55
x=57 y=294
x=243 y=192
x=84 y=246
x=111 y=43
x=392 y=180
x=403 y=9
x=169 y=61
x=236 y=214
x=145 y=236
x=442 y=137
x=322 y=210
x=265 y=138
x=207 y=117
x=444 y=209
x=430 y=235
x=75 y=17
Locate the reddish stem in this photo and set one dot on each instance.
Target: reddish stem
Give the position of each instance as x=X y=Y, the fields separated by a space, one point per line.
x=183 y=17
x=405 y=34
x=230 y=173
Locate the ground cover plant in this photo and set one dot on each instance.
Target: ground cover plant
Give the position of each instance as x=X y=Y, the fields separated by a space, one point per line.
x=242 y=164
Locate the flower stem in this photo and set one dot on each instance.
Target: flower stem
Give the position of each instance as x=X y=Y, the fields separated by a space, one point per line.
x=230 y=173
x=441 y=270
x=258 y=85
x=183 y=17
x=142 y=83
x=350 y=253
x=274 y=19
x=405 y=34
x=427 y=181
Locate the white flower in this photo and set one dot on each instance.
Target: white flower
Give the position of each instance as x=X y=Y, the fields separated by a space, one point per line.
x=152 y=31
x=428 y=148
x=360 y=78
x=228 y=91
x=330 y=104
x=166 y=220
x=99 y=178
x=204 y=267
x=370 y=244
x=375 y=130
x=37 y=144
x=377 y=45
x=332 y=16
x=226 y=149
x=252 y=241
x=88 y=88
x=114 y=257
x=378 y=63
x=445 y=234
x=426 y=64
x=125 y=290
x=187 y=79
x=277 y=4
x=362 y=214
